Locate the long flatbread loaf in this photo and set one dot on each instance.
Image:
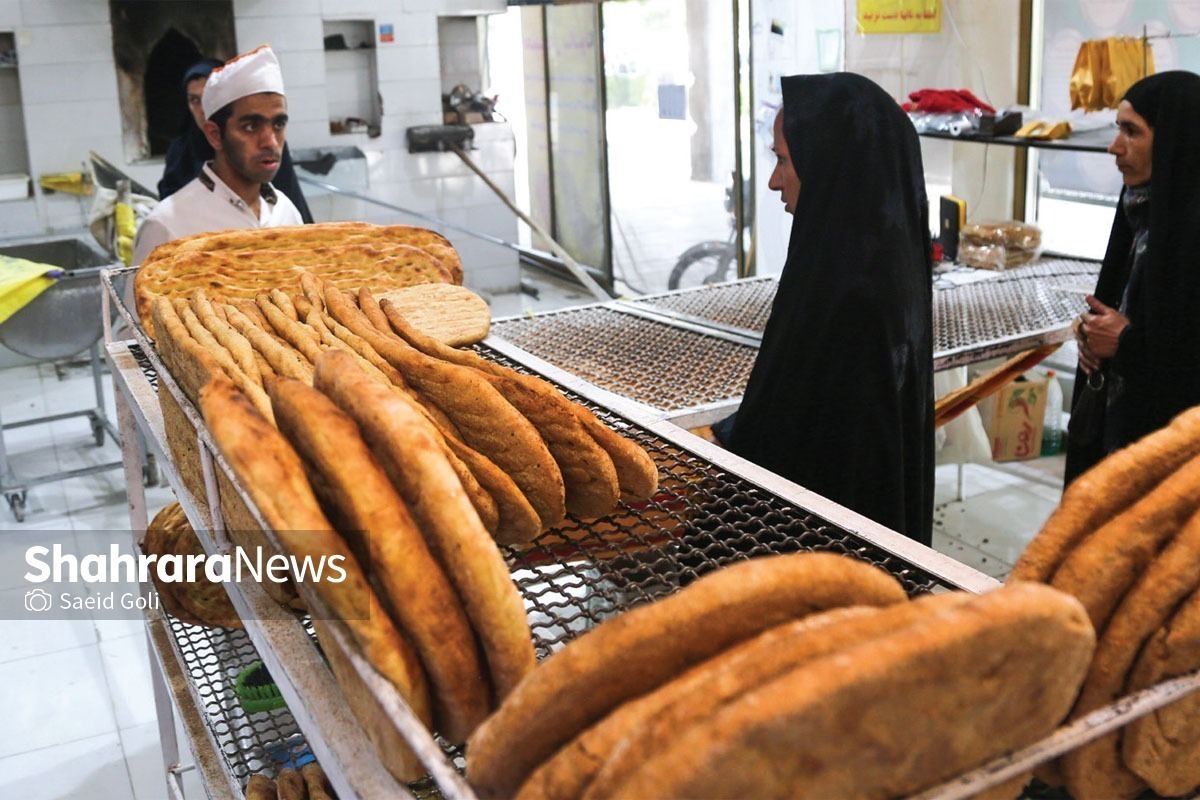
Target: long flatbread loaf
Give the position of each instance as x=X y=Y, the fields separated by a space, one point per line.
x=896 y=714
x=1105 y=491
x=636 y=471
x=1163 y=747
x=488 y=422
x=414 y=589
x=273 y=475
x=405 y=444
x=637 y=651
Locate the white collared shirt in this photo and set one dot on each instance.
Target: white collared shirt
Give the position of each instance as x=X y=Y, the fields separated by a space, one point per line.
x=207 y=204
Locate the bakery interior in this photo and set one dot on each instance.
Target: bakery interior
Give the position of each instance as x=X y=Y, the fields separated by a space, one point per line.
x=591 y=199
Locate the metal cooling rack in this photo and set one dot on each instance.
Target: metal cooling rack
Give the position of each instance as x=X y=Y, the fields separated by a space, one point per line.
x=653 y=361
x=691 y=351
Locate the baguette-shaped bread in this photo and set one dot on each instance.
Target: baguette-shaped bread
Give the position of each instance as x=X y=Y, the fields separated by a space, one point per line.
x=260 y=787
x=1095 y=771
x=1101 y=568
x=316 y=782
x=1105 y=491
x=893 y=715
x=637 y=651
x=407 y=447
x=1163 y=747
x=273 y=475
x=290 y=785
x=704 y=689
x=358 y=496
x=636 y=472
x=488 y=423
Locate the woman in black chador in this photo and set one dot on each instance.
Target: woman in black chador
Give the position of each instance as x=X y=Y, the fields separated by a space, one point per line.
x=1139 y=342
x=188 y=151
x=840 y=399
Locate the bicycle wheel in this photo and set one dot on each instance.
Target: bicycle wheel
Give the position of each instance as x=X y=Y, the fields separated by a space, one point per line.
x=702 y=264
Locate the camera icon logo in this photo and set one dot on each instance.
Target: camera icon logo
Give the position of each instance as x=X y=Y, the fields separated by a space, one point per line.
x=38 y=600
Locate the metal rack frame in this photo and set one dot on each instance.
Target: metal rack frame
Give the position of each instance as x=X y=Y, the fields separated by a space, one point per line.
x=571 y=578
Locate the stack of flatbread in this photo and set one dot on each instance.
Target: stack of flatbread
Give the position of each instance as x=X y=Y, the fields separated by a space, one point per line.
x=356 y=435
x=798 y=676
x=240 y=263
x=198 y=602
x=1125 y=540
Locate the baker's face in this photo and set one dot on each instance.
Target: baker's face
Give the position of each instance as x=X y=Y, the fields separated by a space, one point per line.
x=195 y=91
x=253 y=139
x=784 y=178
x=1132 y=145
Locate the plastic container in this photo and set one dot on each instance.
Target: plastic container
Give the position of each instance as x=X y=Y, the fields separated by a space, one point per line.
x=1052 y=428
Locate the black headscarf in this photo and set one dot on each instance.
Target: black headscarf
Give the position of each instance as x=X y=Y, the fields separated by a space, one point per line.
x=840 y=399
x=189 y=151
x=1158 y=357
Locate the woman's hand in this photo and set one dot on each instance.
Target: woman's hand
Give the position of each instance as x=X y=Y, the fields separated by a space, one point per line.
x=1098 y=333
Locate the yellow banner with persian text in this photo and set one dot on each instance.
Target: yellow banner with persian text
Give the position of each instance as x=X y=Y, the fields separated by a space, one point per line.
x=899 y=16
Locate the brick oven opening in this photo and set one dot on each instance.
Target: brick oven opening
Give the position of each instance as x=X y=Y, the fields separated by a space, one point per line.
x=154 y=42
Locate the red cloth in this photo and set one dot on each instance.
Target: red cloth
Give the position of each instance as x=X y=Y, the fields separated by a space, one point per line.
x=945 y=101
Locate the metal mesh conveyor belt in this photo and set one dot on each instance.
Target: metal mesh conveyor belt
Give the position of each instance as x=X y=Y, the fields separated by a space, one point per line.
x=645 y=360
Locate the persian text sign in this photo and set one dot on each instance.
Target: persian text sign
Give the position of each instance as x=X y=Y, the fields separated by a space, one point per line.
x=899 y=16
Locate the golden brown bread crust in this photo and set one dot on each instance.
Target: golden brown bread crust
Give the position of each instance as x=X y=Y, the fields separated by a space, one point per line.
x=273 y=476
x=391 y=747
x=625 y=656
x=406 y=446
x=589 y=477
x=290 y=785
x=1101 y=568
x=162 y=534
x=452 y=315
x=189 y=363
x=1163 y=747
x=1106 y=490
x=488 y=423
x=704 y=689
x=354 y=489
x=610 y=747
x=202 y=599
x=893 y=715
x=316 y=782
x=260 y=787
x=1095 y=771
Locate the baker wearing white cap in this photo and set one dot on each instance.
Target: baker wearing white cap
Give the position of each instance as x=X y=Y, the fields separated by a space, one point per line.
x=245 y=122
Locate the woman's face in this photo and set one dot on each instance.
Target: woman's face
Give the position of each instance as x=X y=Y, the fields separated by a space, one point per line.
x=784 y=178
x=1132 y=145
x=195 y=91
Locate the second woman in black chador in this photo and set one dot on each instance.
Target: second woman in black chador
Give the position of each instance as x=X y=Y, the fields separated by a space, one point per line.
x=840 y=399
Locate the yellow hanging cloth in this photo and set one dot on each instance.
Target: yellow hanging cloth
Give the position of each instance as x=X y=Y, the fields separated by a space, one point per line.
x=20 y=282
x=1105 y=69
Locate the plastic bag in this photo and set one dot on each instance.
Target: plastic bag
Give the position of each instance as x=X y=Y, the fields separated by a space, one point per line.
x=999 y=245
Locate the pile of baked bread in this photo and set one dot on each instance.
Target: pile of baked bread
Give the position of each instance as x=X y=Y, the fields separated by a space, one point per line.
x=357 y=435
x=802 y=676
x=240 y=264
x=199 y=601
x=1125 y=540
x=307 y=783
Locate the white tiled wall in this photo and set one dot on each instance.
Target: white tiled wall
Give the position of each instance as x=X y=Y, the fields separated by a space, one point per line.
x=69 y=84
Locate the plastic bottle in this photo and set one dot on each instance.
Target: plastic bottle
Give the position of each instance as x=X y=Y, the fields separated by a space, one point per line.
x=1052 y=429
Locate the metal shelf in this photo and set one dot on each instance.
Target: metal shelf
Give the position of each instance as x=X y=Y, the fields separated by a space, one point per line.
x=712 y=508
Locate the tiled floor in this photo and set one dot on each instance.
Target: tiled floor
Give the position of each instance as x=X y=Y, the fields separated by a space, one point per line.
x=78 y=710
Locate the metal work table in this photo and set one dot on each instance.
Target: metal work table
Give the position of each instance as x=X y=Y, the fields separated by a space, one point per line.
x=688 y=353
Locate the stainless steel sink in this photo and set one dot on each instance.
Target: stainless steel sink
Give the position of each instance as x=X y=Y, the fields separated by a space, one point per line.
x=64 y=319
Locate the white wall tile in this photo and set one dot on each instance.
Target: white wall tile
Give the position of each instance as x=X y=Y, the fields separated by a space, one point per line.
x=302 y=68
x=10 y=14
x=57 y=44
x=351 y=9
x=409 y=62
x=59 y=83
x=307 y=104
x=63 y=12
x=408 y=29
x=270 y=8
x=282 y=32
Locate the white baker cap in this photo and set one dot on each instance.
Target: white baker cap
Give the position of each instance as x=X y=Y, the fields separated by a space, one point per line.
x=250 y=73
